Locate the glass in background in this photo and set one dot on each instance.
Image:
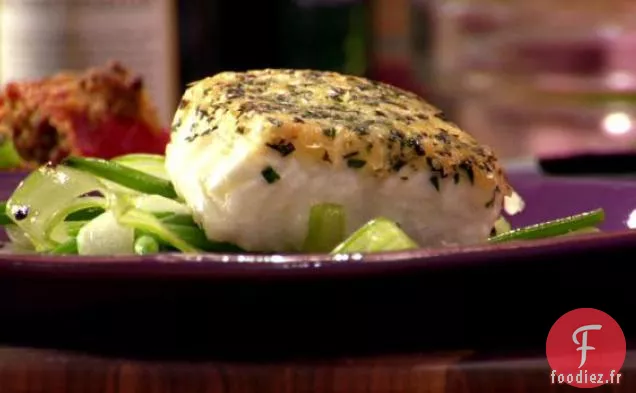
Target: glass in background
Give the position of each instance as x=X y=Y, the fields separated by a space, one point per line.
x=447 y=35
x=556 y=79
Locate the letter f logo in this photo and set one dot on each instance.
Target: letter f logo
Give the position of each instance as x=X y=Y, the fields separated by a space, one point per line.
x=584 y=347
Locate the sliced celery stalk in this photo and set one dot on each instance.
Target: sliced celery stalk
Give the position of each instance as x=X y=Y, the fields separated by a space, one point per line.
x=378 y=235
x=327 y=228
x=36 y=202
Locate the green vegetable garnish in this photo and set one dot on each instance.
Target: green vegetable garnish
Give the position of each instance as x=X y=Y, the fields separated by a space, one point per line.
x=553 y=228
x=327 y=228
x=68 y=248
x=377 y=235
x=146 y=222
x=195 y=236
x=123 y=175
x=36 y=204
x=145 y=245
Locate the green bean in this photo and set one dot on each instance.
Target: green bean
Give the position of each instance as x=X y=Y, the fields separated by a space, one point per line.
x=553 y=228
x=176 y=219
x=196 y=237
x=145 y=245
x=123 y=175
x=67 y=248
x=85 y=214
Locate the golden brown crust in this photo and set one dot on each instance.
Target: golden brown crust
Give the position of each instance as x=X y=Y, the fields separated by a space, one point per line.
x=42 y=116
x=340 y=119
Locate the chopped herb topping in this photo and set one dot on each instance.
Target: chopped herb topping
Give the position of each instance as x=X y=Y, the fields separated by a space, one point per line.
x=399 y=164
x=435 y=182
x=329 y=132
x=469 y=171
x=284 y=148
x=355 y=163
x=270 y=175
x=388 y=127
x=183 y=103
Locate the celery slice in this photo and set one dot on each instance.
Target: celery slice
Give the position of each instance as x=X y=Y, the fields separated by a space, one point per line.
x=326 y=229
x=378 y=235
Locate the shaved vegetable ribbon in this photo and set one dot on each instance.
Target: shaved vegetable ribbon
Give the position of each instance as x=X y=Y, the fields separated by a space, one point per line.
x=41 y=200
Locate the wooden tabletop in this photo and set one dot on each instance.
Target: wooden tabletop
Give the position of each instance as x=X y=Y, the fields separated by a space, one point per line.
x=24 y=370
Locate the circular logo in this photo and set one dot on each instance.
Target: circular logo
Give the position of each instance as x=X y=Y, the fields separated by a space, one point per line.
x=586 y=349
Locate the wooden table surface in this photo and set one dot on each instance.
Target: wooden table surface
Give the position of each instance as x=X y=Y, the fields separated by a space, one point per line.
x=24 y=370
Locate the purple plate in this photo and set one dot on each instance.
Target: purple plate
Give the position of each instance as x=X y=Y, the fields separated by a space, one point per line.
x=494 y=297
x=546 y=198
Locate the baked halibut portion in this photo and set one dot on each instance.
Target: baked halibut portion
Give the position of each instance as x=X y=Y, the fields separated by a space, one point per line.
x=252 y=152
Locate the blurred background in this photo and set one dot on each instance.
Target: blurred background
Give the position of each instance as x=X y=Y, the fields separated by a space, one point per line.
x=537 y=78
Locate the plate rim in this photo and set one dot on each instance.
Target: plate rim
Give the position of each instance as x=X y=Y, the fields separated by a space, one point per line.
x=210 y=265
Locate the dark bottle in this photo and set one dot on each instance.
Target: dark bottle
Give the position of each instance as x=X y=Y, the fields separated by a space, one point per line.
x=225 y=35
x=325 y=34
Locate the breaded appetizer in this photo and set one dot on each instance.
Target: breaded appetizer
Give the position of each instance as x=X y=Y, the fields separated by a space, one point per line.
x=252 y=152
x=101 y=112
